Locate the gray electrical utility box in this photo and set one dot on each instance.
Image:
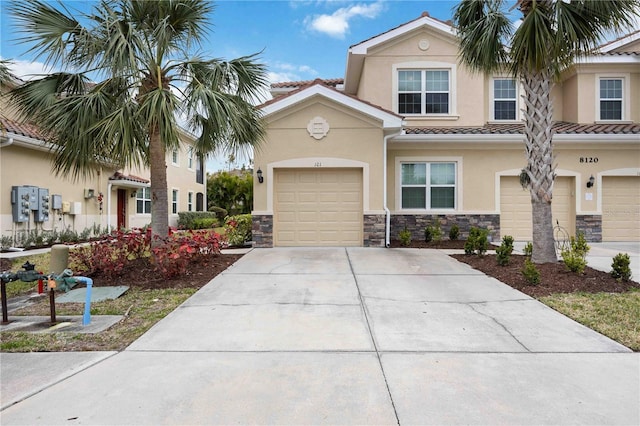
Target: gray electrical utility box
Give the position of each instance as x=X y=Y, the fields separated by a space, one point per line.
x=42 y=214
x=20 y=203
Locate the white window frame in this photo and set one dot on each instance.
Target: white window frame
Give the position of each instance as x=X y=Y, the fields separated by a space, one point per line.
x=190 y=201
x=429 y=160
x=175 y=157
x=492 y=100
x=175 y=198
x=426 y=66
x=626 y=97
x=190 y=158
x=145 y=191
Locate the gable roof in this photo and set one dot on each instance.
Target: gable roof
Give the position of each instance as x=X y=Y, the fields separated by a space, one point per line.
x=389 y=119
x=612 y=45
x=357 y=52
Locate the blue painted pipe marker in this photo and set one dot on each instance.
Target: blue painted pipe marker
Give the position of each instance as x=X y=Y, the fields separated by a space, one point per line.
x=86 y=318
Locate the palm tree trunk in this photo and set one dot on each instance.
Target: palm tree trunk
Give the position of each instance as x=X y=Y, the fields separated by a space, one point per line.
x=540 y=168
x=159 y=198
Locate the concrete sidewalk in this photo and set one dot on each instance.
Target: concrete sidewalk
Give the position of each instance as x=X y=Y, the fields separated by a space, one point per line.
x=342 y=336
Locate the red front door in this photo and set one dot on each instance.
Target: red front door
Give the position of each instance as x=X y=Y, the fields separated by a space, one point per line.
x=122 y=208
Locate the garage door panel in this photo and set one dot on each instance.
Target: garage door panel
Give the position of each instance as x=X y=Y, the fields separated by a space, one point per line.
x=621 y=208
x=515 y=207
x=326 y=207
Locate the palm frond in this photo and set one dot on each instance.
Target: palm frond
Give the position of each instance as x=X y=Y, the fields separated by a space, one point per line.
x=483 y=30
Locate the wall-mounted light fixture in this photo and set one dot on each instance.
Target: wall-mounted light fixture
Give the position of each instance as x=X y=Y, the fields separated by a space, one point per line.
x=591 y=182
x=259 y=174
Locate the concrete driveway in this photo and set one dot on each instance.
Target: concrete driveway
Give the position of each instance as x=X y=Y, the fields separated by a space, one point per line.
x=345 y=336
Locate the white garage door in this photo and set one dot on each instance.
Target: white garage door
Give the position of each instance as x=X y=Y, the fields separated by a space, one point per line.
x=621 y=208
x=318 y=207
x=515 y=207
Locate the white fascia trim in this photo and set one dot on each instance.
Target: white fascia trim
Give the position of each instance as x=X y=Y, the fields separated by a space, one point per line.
x=619 y=43
x=425 y=21
x=388 y=120
x=620 y=59
x=31 y=143
x=488 y=138
x=633 y=138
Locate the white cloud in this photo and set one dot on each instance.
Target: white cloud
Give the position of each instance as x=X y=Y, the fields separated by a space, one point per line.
x=28 y=70
x=282 y=71
x=337 y=24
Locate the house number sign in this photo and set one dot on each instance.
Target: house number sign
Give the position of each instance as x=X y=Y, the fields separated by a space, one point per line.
x=588 y=159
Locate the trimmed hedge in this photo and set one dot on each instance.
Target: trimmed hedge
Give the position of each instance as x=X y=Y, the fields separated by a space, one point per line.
x=197 y=220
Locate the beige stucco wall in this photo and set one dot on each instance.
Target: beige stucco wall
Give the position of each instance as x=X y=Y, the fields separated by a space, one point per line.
x=352 y=136
x=482 y=164
x=380 y=70
x=21 y=165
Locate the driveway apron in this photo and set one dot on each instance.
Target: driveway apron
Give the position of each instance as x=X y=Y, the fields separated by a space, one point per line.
x=352 y=336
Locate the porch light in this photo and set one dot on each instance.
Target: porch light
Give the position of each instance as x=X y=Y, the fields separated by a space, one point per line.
x=591 y=182
x=259 y=174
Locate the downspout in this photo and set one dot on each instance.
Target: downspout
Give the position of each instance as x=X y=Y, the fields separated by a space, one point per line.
x=109 y=185
x=387 y=232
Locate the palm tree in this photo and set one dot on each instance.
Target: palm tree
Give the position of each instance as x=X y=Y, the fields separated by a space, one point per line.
x=552 y=34
x=141 y=52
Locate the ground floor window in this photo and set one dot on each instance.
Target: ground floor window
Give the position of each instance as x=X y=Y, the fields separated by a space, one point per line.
x=174 y=201
x=143 y=201
x=190 y=201
x=428 y=185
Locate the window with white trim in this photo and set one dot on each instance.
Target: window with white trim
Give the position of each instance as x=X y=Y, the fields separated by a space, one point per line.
x=190 y=201
x=428 y=185
x=424 y=92
x=143 y=201
x=611 y=98
x=505 y=99
x=174 y=157
x=174 y=201
x=190 y=158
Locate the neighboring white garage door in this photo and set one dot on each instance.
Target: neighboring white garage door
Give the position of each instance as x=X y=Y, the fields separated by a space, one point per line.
x=318 y=207
x=621 y=208
x=515 y=207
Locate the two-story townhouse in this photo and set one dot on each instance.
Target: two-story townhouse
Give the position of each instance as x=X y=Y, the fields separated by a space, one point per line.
x=410 y=134
x=33 y=199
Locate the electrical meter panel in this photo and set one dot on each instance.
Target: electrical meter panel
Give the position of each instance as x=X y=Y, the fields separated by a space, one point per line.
x=20 y=203
x=56 y=202
x=42 y=214
x=33 y=197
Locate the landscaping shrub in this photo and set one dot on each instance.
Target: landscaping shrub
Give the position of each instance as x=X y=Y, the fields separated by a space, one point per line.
x=503 y=253
x=405 y=237
x=205 y=223
x=454 y=232
x=621 y=270
x=220 y=213
x=238 y=229
x=528 y=249
x=181 y=249
x=575 y=256
x=530 y=272
x=433 y=232
x=187 y=220
x=477 y=241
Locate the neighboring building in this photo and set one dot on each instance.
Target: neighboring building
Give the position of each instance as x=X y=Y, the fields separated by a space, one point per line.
x=111 y=198
x=410 y=133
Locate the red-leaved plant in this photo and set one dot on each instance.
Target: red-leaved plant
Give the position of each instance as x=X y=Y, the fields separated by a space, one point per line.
x=110 y=254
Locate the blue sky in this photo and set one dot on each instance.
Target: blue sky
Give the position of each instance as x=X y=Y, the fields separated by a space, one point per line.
x=300 y=39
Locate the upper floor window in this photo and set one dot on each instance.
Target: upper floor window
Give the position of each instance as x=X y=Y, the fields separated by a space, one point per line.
x=190 y=158
x=426 y=185
x=424 y=92
x=174 y=201
x=174 y=157
x=143 y=201
x=504 y=99
x=611 y=92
